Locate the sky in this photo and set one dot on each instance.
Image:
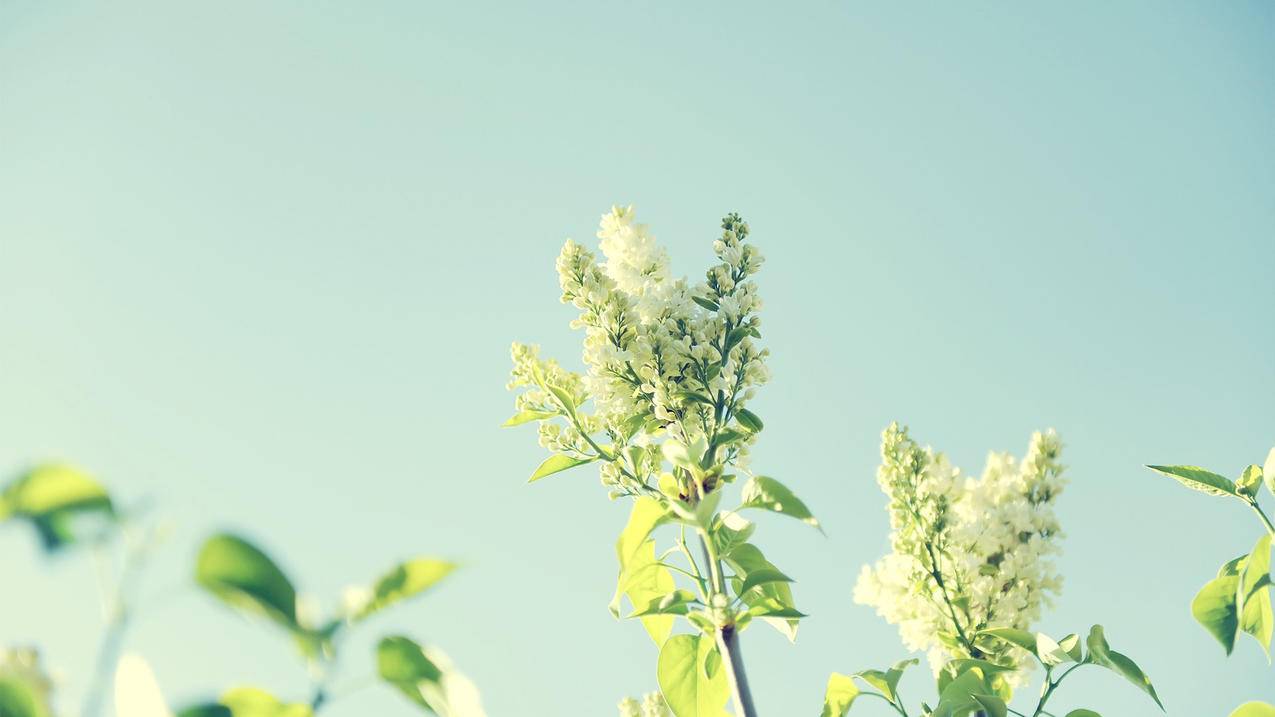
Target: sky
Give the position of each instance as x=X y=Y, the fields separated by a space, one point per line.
x=261 y=264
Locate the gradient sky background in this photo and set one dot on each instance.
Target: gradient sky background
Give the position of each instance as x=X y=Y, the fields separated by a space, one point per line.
x=261 y=262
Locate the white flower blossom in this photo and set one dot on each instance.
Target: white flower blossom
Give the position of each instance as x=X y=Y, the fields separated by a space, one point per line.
x=651 y=705
x=663 y=360
x=967 y=554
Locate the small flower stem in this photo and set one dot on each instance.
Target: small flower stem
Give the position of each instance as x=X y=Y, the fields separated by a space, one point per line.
x=1262 y=515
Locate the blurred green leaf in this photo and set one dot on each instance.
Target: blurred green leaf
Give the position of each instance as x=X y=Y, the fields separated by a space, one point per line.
x=1197 y=478
x=53 y=497
x=206 y=710
x=1252 y=709
x=556 y=464
x=406 y=580
x=1083 y=713
x=427 y=678
x=253 y=702
x=766 y=493
x=687 y=687
x=244 y=577
x=19 y=698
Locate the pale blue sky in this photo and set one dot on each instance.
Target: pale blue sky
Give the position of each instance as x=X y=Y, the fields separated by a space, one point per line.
x=261 y=262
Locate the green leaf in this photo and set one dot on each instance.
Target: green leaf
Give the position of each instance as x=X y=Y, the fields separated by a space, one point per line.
x=839 y=695
x=53 y=497
x=245 y=578
x=643 y=579
x=1021 y=638
x=427 y=678
x=568 y=401
x=749 y=420
x=677 y=602
x=21 y=698
x=522 y=417
x=992 y=705
x=403 y=664
x=1050 y=652
x=684 y=681
x=1214 y=607
x=1197 y=478
x=730 y=530
x=958 y=697
x=1250 y=481
x=1252 y=709
x=764 y=576
x=772 y=598
x=1100 y=653
x=556 y=464
x=766 y=493
x=1071 y=644
x=252 y=702
x=1083 y=713
x=1254 y=596
x=887 y=682
x=646 y=514
x=706 y=303
x=211 y=709
x=406 y=580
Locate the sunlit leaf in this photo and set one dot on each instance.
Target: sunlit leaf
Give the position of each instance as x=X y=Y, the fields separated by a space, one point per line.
x=54 y=498
x=1100 y=653
x=1197 y=478
x=1254 y=595
x=253 y=702
x=244 y=577
x=772 y=598
x=839 y=695
x=427 y=678
x=1253 y=709
x=406 y=580
x=687 y=687
x=766 y=493
x=556 y=464
x=522 y=417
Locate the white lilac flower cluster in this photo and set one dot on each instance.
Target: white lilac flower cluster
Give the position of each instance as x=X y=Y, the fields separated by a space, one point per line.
x=966 y=554
x=652 y=705
x=663 y=358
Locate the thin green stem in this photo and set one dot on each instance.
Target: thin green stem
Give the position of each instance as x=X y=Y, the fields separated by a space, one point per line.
x=1270 y=528
x=1047 y=689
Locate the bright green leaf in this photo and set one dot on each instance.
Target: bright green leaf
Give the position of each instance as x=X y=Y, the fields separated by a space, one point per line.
x=677 y=602
x=1250 y=481
x=1254 y=595
x=767 y=493
x=1214 y=607
x=522 y=417
x=1100 y=653
x=1021 y=638
x=839 y=695
x=644 y=579
x=556 y=464
x=1197 y=478
x=54 y=497
x=1252 y=709
x=772 y=598
x=730 y=530
x=1083 y=713
x=886 y=682
x=252 y=702
x=427 y=678
x=21 y=698
x=686 y=685
x=1071 y=644
x=245 y=578
x=763 y=576
x=406 y=580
